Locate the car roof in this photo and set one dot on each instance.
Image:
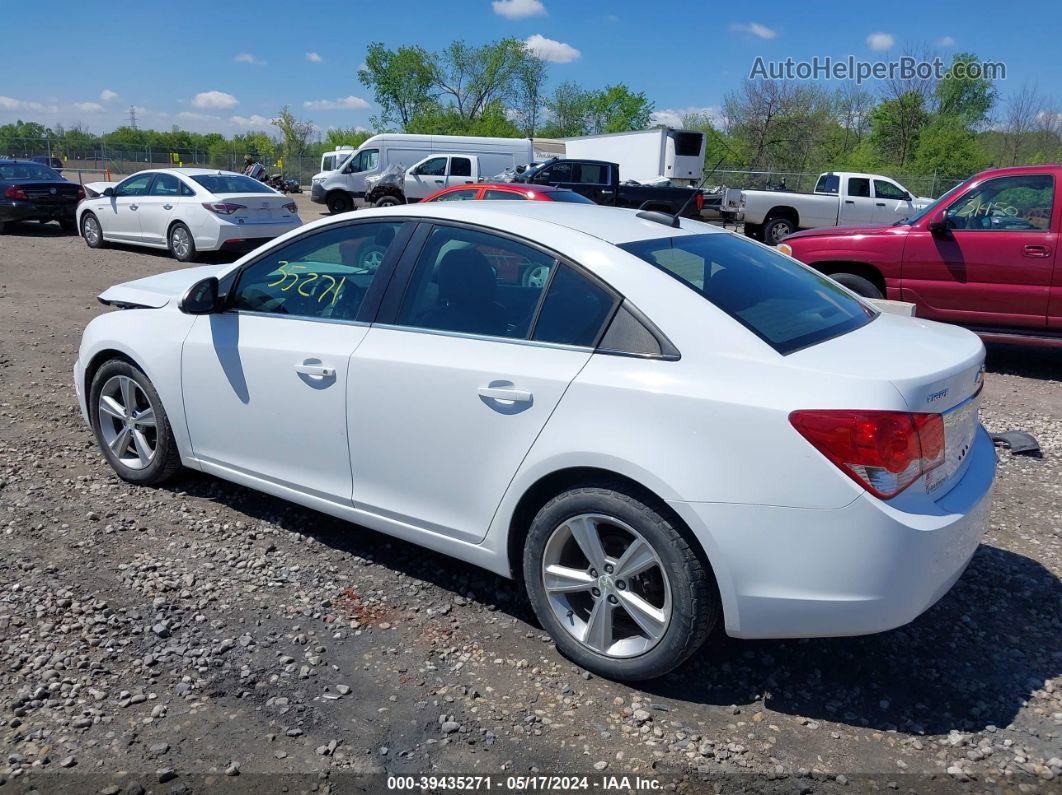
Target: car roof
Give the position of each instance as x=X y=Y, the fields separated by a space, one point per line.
x=188 y=172
x=518 y=186
x=610 y=224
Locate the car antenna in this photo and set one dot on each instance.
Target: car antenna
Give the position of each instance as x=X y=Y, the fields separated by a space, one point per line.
x=672 y=219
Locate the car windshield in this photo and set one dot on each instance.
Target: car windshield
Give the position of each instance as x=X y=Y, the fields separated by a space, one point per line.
x=918 y=216
x=27 y=171
x=568 y=196
x=785 y=304
x=231 y=183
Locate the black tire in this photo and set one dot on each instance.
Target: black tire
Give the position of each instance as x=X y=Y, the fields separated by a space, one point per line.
x=68 y=225
x=339 y=202
x=2 y=225
x=755 y=231
x=166 y=459
x=92 y=240
x=858 y=284
x=777 y=229
x=181 y=243
x=388 y=200
x=695 y=606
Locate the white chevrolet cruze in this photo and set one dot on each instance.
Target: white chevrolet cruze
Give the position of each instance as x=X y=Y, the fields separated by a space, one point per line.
x=678 y=425
x=187 y=210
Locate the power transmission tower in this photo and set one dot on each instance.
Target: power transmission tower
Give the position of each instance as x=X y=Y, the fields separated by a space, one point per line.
x=132 y=117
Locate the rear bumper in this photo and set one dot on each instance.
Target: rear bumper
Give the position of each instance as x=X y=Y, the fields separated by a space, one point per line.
x=11 y=210
x=241 y=237
x=857 y=570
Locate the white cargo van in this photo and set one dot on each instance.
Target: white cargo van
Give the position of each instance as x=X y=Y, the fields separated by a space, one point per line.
x=345 y=188
x=646 y=155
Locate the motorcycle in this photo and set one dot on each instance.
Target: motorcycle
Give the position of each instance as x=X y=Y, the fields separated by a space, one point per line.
x=278 y=182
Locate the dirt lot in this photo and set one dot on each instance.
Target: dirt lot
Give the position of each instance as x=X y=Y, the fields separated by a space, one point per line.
x=178 y=634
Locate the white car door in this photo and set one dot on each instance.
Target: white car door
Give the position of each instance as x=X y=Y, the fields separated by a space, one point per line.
x=119 y=215
x=857 y=207
x=461 y=170
x=426 y=177
x=448 y=394
x=265 y=382
x=891 y=202
x=159 y=208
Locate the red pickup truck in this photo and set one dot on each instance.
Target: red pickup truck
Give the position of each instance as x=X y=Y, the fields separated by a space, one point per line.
x=984 y=255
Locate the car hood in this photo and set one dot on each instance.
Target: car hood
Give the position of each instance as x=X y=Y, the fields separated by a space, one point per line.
x=840 y=231
x=157 y=291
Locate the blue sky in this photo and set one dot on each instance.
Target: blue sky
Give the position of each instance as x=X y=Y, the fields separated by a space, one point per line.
x=226 y=67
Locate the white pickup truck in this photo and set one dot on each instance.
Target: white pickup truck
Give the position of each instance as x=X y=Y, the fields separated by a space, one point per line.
x=841 y=198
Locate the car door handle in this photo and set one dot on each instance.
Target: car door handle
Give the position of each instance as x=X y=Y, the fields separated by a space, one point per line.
x=438 y=182
x=849 y=201
x=880 y=204
x=133 y=206
x=499 y=393
x=316 y=370
x=167 y=207
x=1037 y=251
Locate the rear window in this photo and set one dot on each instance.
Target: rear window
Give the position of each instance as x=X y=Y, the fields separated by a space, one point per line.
x=27 y=171
x=783 y=303
x=231 y=183
x=567 y=196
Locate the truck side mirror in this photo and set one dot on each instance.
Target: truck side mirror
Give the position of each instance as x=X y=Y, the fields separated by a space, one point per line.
x=938 y=223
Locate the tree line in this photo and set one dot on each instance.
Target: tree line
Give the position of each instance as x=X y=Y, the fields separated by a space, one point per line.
x=951 y=127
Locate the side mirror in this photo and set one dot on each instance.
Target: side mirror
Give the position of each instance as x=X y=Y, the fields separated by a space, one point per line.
x=907 y=197
x=108 y=191
x=201 y=298
x=938 y=223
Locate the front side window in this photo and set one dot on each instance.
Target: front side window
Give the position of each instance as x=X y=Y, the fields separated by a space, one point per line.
x=859 y=187
x=1006 y=204
x=475 y=283
x=567 y=196
x=365 y=160
x=503 y=195
x=220 y=184
x=783 y=303
x=460 y=167
x=323 y=275
x=165 y=185
x=436 y=167
x=467 y=194
x=888 y=190
x=558 y=172
x=136 y=185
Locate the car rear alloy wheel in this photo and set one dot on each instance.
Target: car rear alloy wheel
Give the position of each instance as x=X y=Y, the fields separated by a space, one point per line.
x=181 y=244
x=131 y=425
x=90 y=230
x=616 y=582
x=127 y=422
x=606 y=585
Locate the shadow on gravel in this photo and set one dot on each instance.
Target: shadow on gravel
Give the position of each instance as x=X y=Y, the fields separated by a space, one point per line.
x=967 y=663
x=35 y=229
x=1024 y=360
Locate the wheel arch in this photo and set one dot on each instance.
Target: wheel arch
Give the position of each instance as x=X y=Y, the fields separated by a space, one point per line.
x=856 y=268
x=782 y=211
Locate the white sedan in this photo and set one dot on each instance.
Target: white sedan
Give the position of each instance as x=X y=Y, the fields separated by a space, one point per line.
x=186 y=210
x=677 y=426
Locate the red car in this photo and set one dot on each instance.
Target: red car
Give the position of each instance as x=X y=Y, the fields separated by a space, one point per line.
x=507 y=192
x=984 y=255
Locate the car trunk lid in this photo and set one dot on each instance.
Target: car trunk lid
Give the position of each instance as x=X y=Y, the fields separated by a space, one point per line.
x=936 y=368
x=257 y=208
x=46 y=192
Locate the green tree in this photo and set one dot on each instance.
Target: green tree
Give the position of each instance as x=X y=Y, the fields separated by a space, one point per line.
x=530 y=99
x=569 y=111
x=401 y=81
x=895 y=125
x=618 y=109
x=353 y=136
x=948 y=148
x=472 y=78
x=296 y=133
x=968 y=99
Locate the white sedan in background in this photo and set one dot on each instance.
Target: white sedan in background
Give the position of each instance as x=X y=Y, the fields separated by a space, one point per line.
x=187 y=210
x=676 y=426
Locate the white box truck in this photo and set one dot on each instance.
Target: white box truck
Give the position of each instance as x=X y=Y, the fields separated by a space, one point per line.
x=646 y=155
x=345 y=188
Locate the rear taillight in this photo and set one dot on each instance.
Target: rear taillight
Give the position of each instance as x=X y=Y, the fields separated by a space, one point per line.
x=882 y=451
x=80 y=192
x=223 y=208
x=290 y=207
x=15 y=192
x=700 y=200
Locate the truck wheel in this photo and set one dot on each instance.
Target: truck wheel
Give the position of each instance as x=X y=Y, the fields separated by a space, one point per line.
x=857 y=284
x=390 y=200
x=755 y=231
x=339 y=202
x=776 y=230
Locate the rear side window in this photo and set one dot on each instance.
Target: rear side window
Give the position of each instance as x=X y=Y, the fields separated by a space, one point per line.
x=828 y=183
x=460 y=167
x=783 y=303
x=504 y=195
x=859 y=187
x=574 y=311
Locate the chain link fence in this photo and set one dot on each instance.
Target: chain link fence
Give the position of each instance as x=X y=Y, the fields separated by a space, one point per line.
x=97 y=159
x=931 y=186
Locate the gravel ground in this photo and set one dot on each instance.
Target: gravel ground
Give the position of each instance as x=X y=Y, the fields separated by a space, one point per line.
x=177 y=638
